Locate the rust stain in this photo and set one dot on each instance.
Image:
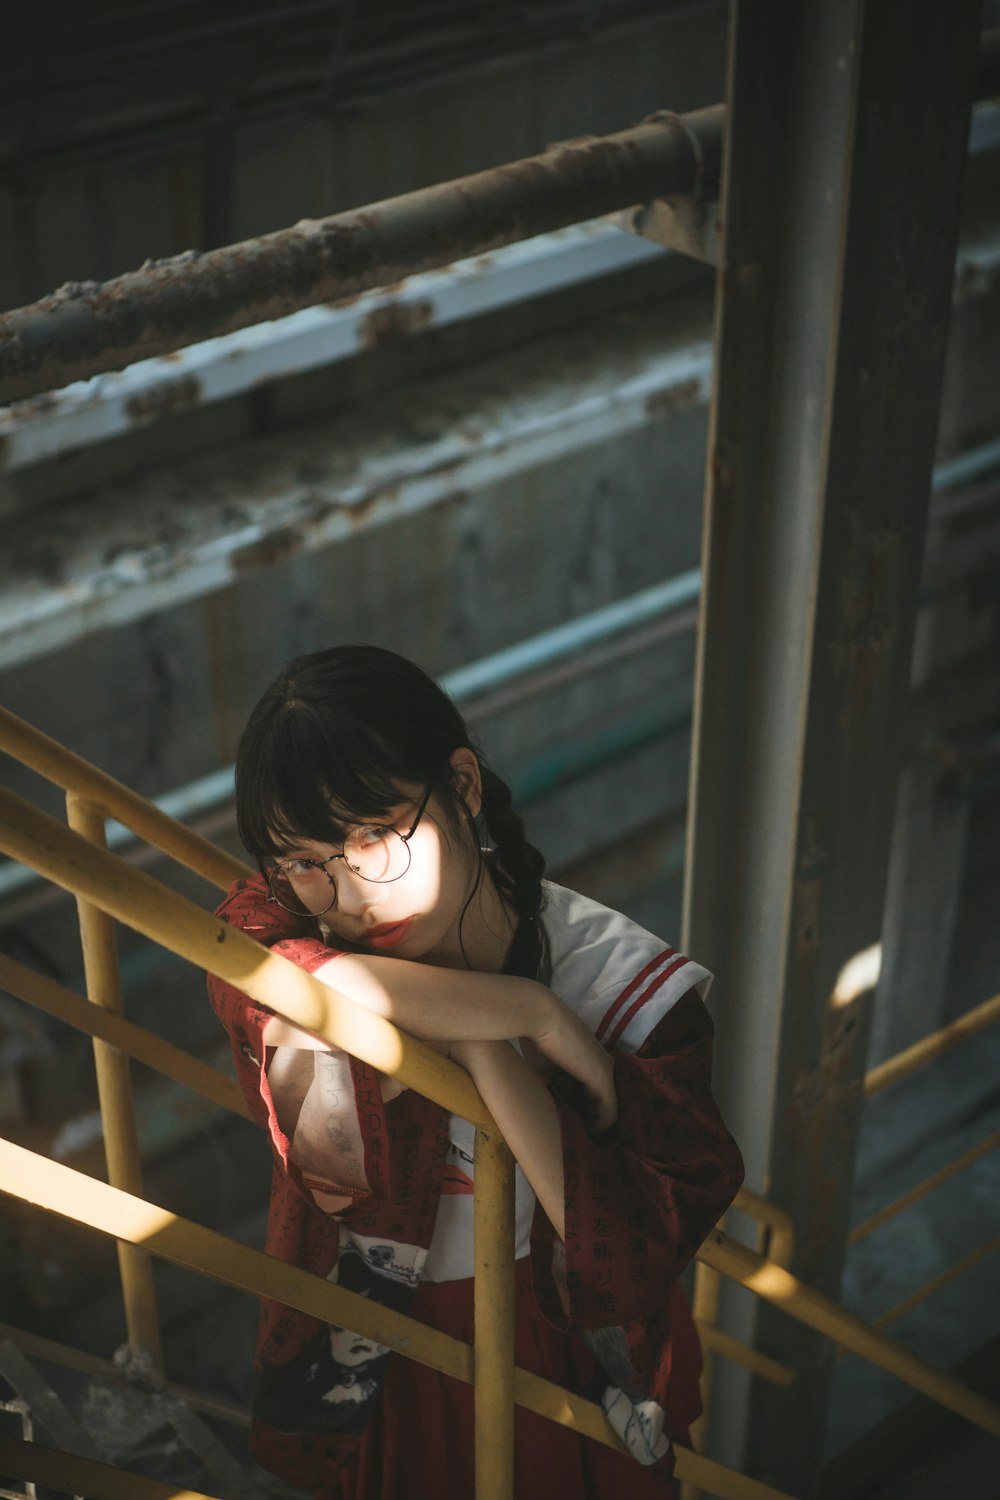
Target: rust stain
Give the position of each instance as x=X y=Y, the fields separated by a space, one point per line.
x=679 y=397
x=391 y=288
x=394 y=320
x=164 y=398
x=30 y=408
x=807 y=914
x=865 y=632
x=281 y=543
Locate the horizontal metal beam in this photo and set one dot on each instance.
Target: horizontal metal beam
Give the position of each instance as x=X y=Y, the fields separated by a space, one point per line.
x=107 y=573
x=88 y=327
x=195 y=798
x=91 y=411
x=511 y=669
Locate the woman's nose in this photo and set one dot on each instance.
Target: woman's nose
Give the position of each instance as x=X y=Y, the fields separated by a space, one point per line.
x=354 y=896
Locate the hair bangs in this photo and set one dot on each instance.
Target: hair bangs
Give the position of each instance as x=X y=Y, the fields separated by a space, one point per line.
x=301 y=779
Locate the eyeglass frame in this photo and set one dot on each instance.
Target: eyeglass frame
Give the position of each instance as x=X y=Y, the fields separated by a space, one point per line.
x=321 y=864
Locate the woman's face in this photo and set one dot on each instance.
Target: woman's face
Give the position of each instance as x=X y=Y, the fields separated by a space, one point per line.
x=418 y=915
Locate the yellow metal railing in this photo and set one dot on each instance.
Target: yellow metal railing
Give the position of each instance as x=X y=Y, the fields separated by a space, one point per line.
x=103 y=884
x=925 y=1051
x=903 y=1065
x=781 y=1231
x=107 y=885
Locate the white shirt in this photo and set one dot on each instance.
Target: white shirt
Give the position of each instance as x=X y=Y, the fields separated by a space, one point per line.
x=621 y=981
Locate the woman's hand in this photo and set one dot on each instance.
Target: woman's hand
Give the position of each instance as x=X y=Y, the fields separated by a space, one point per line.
x=564 y=1041
x=559 y=1040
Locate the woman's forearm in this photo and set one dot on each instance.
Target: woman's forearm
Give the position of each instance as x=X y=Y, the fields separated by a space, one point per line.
x=442 y=1005
x=525 y=1111
x=458 y=1005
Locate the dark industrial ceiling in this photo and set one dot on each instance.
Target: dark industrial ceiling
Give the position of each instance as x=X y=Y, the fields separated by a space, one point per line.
x=79 y=82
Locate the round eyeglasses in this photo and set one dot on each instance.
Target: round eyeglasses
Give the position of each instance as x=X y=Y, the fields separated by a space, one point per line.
x=373 y=851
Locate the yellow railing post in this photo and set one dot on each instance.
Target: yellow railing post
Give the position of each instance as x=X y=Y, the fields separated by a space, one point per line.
x=705 y=1311
x=73 y=1195
x=114 y=1089
x=81 y=865
x=493 y=1350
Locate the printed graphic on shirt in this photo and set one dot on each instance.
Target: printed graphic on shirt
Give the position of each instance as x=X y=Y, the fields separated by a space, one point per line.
x=459 y=1170
x=331 y=1384
x=451 y=1256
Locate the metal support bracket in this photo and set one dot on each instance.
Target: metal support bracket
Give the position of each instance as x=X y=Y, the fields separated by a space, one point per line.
x=688 y=223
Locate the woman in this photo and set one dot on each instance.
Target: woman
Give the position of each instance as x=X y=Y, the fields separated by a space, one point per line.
x=393 y=866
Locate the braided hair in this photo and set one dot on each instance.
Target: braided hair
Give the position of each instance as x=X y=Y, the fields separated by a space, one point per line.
x=335 y=735
x=518 y=866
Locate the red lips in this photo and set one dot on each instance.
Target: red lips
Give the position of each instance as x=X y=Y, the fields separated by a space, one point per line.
x=387 y=935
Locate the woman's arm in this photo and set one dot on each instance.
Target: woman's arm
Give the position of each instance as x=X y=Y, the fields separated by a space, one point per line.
x=517 y=1098
x=454 y=1006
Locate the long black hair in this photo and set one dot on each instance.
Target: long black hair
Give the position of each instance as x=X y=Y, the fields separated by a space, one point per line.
x=331 y=742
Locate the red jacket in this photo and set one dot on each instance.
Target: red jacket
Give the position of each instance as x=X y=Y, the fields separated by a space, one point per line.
x=639 y=1201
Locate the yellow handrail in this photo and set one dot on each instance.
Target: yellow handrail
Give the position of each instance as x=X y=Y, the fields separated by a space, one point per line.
x=988 y=1143
x=988 y=1247
x=222 y=1090
x=183 y=1067
x=924 y=1051
x=793 y=1296
x=102 y=881
x=780 y=1244
x=493 y=1312
x=69 y=1474
x=135 y=898
x=72 y=773
x=951 y=1273
x=717 y=1341
x=72 y=1195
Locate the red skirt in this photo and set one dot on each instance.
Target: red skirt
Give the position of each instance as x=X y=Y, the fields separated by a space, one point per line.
x=420 y=1444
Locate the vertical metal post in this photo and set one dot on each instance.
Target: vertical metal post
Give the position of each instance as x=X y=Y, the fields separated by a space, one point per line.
x=114 y=1088
x=705 y=1311
x=846 y=136
x=494 y=1317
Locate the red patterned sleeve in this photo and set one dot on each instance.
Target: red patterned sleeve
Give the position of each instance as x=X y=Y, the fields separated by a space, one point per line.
x=248 y=907
x=641 y=1199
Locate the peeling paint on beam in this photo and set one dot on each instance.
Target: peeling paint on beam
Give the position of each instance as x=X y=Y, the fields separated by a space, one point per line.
x=197 y=532
x=88 y=327
x=91 y=411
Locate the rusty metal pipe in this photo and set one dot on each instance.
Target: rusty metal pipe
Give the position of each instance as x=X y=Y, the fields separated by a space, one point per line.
x=85 y=328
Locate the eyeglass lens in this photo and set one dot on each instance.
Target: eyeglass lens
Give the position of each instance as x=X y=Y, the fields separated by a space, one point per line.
x=373 y=853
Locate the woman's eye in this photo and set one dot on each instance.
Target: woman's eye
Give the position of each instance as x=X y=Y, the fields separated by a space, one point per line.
x=368 y=834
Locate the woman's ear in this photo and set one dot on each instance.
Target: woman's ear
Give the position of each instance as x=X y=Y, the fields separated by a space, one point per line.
x=467 y=778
